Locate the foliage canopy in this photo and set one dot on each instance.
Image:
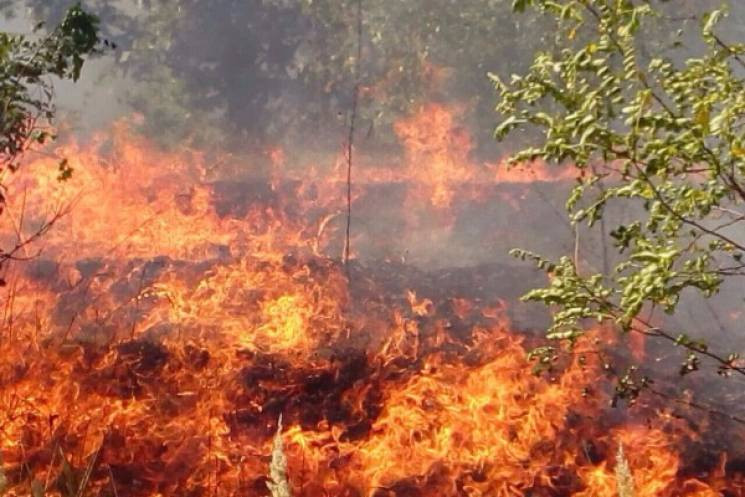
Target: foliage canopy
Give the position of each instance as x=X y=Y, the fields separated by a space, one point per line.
x=661 y=135
x=26 y=89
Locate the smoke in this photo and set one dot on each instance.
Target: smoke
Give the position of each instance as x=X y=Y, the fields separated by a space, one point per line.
x=251 y=78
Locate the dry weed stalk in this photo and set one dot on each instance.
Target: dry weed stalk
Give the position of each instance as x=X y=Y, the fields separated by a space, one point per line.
x=278 y=485
x=3 y=478
x=624 y=478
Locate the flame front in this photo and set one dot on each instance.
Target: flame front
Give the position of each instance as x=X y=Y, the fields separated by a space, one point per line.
x=164 y=330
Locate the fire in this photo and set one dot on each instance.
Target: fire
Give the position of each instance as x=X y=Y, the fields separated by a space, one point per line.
x=437 y=152
x=483 y=424
x=171 y=318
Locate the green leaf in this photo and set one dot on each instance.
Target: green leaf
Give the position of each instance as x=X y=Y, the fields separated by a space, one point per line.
x=520 y=5
x=710 y=21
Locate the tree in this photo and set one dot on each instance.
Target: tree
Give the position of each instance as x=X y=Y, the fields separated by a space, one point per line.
x=258 y=71
x=27 y=66
x=661 y=134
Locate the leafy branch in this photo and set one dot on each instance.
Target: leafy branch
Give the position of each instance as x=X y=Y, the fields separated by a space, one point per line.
x=663 y=137
x=26 y=89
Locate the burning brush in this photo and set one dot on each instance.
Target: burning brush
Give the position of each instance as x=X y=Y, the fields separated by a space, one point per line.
x=175 y=316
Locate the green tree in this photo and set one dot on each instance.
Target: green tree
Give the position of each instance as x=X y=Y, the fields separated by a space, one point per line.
x=258 y=71
x=661 y=134
x=28 y=66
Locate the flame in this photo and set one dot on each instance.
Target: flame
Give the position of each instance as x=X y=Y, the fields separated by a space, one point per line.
x=437 y=152
x=485 y=424
x=170 y=320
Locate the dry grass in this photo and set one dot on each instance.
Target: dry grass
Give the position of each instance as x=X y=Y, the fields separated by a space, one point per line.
x=278 y=486
x=624 y=478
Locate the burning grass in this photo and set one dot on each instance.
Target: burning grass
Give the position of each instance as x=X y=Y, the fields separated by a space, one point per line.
x=155 y=345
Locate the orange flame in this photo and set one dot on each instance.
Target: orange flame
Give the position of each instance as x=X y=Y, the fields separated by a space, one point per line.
x=165 y=328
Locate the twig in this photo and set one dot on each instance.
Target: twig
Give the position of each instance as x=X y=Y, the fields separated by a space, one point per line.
x=21 y=244
x=137 y=302
x=350 y=138
x=88 y=471
x=711 y=411
x=319 y=232
x=729 y=50
x=113 y=483
x=576 y=246
x=51 y=464
x=644 y=327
